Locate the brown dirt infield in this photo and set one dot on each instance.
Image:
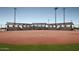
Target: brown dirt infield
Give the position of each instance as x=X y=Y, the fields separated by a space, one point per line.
x=39 y=37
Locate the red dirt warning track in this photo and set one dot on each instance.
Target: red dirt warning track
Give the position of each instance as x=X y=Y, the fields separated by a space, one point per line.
x=39 y=37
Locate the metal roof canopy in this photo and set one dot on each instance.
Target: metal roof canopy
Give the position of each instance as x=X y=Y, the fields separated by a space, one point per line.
x=67 y=23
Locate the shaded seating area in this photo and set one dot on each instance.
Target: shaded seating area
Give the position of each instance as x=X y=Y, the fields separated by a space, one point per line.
x=39 y=26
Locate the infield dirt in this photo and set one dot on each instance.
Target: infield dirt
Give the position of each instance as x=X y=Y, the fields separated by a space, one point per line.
x=39 y=37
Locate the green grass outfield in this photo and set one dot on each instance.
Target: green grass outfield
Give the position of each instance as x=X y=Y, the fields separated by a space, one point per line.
x=64 y=47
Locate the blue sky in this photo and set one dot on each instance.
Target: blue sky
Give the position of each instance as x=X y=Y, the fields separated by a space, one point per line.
x=38 y=14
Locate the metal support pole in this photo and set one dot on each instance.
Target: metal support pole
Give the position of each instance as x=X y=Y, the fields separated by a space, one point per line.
x=48 y=21
x=64 y=16
x=48 y=24
x=14 y=15
x=55 y=17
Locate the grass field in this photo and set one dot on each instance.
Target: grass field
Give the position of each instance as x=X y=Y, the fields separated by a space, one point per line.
x=64 y=47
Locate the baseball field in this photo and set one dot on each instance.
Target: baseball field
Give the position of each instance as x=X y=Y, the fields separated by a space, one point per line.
x=39 y=40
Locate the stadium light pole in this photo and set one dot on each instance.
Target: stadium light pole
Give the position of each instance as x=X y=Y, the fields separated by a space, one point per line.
x=14 y=15
x=14 y=18
x=55 y=17
x=64 y=15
